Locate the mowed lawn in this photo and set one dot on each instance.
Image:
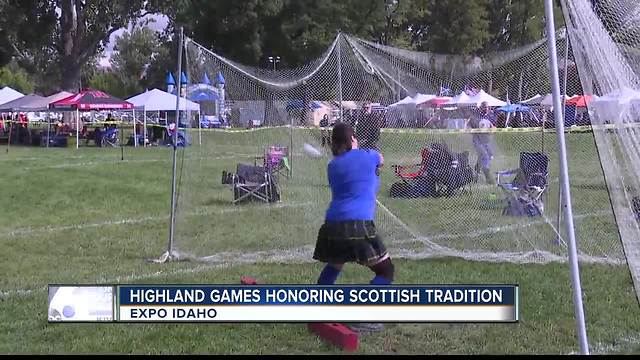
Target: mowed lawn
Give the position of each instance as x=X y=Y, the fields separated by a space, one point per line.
x=96 y=215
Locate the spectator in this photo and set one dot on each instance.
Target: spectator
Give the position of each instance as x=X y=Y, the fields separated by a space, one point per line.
x=368 y=128
x=483 y=142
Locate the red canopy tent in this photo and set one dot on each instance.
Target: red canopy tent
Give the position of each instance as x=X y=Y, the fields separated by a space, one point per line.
x=436 y=102
x=579 y=101
x=89 y=99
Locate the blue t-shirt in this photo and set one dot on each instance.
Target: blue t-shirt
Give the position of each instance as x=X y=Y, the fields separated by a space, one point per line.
x=354 y=184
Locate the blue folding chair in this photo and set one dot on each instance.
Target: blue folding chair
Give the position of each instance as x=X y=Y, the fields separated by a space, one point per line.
x=525 y=187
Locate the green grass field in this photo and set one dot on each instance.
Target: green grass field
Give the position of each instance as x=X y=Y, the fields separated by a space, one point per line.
x=87 y=216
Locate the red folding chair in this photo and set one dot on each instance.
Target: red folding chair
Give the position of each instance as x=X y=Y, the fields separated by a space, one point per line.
x=408 y=173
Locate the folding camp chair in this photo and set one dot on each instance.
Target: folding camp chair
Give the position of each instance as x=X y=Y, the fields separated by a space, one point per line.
x=409 y=173
x=441 y=173
x=276 y=160
x=524 y=191
x=109 y=137
x=253 y=183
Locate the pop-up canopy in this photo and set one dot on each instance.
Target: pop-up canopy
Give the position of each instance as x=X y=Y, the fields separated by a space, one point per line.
x=158 y=100
x=477 y=99
x=20 y=104
x=8 y=94
x=89 y=99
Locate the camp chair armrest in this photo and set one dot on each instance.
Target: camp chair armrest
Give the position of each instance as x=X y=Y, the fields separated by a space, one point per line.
x=505 y=173
x=403 y=167
x=400 y=169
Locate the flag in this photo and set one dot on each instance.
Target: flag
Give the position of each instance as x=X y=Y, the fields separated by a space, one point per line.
x=471 y=90
x=444 y=91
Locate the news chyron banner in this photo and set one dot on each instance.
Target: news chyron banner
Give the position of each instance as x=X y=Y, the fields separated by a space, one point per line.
x=287 y=303
x=80 y=303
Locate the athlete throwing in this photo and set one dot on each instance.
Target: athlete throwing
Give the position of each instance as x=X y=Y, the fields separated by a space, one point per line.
x=349 y=233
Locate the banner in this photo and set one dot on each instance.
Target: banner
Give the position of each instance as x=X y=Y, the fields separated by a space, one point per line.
x=285 y=303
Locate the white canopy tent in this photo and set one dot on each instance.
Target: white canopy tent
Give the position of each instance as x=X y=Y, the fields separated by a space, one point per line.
x=617 y=106
x=465 y=100
x=620 y=96
x=535 y=100
x=157 y=100
x=545 y=101
x=8 y=94
x=460 y=99
x=406 y=101
x=415 y=100
x=42 y=104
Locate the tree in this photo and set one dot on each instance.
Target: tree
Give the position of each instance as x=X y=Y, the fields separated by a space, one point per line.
x=86 y=25
x=14 y=76
x=25 y=25
x=134 y=52
x=234 y=28
x=456 y=27
x=108 y=82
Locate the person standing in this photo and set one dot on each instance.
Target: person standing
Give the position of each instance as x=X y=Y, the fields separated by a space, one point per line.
x=483 y=142
x=349 y=233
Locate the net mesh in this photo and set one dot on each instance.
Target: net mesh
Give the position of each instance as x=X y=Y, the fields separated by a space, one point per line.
x=416 y=103
x=604 y=38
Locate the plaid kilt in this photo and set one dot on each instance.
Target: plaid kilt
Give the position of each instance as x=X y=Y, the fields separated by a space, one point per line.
x=349 y=241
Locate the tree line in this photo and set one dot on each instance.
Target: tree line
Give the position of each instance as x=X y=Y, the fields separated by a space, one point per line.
x=52 y=45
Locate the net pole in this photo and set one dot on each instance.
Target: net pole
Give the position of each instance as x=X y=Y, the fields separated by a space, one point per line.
x=566 y=59
x=564 y=178
x=339 y=77
x=144 y=126
x=77 y=128
x=135 y=138
x=175 y=145
x=290 y=146
x=48 y=127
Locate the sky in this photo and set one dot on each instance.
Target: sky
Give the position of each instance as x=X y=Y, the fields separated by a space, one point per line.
x=159 y=24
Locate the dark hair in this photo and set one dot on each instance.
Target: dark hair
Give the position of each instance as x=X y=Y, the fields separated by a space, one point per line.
x=341 y=138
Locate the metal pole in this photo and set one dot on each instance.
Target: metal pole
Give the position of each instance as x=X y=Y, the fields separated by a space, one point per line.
x=291 y=145
x=566 y=60
x=564 y=177
x=144 y=126
x=200 y=128
x=48 y=127
x=339 y=78
x=77 y=128
x=520 y=87
x=175 y=145
x=135 y=123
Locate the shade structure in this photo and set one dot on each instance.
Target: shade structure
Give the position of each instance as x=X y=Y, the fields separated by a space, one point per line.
x=406 y=101
x=547 y=100
x=158 y=100
x=535 y=100
x=620 y=96
x=42 y=103
x=514 y=108
x=460 y=99
x=8 y=94
x=299 y=104
x=21 y=104
x=580 y=100
x=436 y=101
x=463 y=99
x=89 y=99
